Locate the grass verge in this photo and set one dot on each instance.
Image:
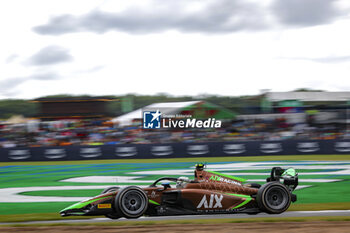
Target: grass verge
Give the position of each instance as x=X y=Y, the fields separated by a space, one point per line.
x=320 y=206
x=38 y=217
x=191 y=221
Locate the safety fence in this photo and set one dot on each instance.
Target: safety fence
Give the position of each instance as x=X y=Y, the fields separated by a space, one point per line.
x=176 y=150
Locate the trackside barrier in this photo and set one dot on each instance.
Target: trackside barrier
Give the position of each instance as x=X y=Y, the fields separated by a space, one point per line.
x=175 y=150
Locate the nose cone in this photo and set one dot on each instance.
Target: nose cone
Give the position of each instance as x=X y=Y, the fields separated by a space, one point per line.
x=75 y=209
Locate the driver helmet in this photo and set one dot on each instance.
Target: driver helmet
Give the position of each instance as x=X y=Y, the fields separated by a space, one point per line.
x=200 y=166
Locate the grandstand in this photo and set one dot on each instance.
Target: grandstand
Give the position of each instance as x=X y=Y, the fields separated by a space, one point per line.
x=73 y=107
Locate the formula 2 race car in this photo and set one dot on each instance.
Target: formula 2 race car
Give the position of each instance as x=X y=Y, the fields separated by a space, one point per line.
x=208 y=193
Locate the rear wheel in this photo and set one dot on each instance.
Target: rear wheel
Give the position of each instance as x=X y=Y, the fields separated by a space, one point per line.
x=132 y=202
x=111 y=190
x=273 y=198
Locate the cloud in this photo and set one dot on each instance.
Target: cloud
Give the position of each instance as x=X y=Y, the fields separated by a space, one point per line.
x=328 y=59
x=213 y=16
x=11 y=58
x=331 y=59
x=203 y=16
x=44 y=76
x=306 y=12
x=50 y=55
x=7 y=86
x=91 y=70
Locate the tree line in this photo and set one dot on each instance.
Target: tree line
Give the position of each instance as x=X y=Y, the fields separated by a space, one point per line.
x=239 y=104
x=28 y=108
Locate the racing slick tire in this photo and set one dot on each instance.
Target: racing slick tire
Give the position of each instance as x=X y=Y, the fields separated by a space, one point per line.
x=114 y=215
x=131 y=202
x=273 y=198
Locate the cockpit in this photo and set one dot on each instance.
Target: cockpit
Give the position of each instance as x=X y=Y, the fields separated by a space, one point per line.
x=180 y=182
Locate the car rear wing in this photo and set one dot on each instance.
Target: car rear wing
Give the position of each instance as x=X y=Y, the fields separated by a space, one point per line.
x=288 y=176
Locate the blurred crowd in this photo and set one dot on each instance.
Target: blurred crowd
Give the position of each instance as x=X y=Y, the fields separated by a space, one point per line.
x=95 y=132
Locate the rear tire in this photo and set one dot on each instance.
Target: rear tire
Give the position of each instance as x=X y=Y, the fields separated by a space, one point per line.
x=273 y=198
x=131 y=202
x=112 y=215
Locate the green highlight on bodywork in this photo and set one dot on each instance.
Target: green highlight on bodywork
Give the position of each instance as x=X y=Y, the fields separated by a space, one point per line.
x=247 y=199
x=82 y=204
x=289 y=172
x=153 y=202
x=228 y=176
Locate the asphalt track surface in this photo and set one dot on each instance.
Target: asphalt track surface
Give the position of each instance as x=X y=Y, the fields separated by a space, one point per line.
x=195 y=217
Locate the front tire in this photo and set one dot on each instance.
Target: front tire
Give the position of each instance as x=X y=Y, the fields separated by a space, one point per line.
x=131 y=202
x=111 y=190
x=273 y=198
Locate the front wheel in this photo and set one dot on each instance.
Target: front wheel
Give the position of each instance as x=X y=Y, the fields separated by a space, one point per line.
x=273 y=198
x=132 y=202
x=113 y=215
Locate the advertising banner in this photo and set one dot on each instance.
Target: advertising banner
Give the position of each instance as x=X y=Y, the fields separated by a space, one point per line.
x=175 y=150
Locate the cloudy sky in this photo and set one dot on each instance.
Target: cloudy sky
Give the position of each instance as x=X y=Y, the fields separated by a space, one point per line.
x=180 y=47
